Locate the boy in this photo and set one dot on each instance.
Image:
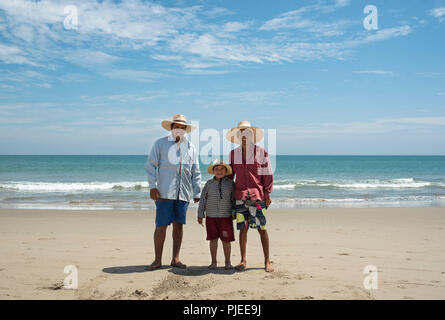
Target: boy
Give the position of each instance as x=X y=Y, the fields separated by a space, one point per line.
x=217 y=201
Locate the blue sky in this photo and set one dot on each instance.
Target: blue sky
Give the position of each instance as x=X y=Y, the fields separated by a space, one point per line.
x=308 y=69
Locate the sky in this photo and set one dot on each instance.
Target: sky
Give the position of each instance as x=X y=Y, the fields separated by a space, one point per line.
x=98 y=77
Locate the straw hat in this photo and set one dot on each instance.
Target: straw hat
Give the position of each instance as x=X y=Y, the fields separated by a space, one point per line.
x=234 y=134
x=219 y=162
x=179 y=119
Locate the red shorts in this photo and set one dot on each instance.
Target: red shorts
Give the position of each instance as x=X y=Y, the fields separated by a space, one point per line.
x=220 y=228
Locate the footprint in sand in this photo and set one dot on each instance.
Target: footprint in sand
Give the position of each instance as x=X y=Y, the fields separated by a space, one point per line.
x=343 y=254
x=90 y=291
x=139 y=294
x=46 y=239
x=54 y=286
x=278 y=274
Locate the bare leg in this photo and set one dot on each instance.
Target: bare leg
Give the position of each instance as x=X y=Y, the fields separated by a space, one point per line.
x=159 y=239
x=177 y=240
x=213 y=250
x=265 y=243
x=243 y=248
x=227 y=250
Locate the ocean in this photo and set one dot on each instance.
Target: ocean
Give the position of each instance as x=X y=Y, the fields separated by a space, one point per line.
x=120 y=182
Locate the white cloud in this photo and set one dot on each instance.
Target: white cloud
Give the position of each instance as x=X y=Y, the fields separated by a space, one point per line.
x=217 y=12
x=234 y=26
x=303 y=19
x=184 y=36
x=136 y=75
x=90 y=58
x=342 y=3
x=385 y=34
x=379 y=126
x=14 y=55
x=205 y=72
x=439 y=13
x=377 y=72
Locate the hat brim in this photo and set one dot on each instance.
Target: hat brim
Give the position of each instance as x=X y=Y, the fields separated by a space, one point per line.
x=228 y=168
x=232 y=134
x=166 y=124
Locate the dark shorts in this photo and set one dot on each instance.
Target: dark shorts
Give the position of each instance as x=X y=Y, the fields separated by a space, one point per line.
x=250 y=214
x=168 y=211
x=220 y=228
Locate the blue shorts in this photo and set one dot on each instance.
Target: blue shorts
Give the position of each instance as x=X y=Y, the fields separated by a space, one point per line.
x=168 y=211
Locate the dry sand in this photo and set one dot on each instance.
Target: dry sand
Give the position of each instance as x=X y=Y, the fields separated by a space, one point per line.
x=317 y=254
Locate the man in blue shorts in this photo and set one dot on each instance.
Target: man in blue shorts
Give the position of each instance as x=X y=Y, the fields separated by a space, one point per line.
x=174 y=179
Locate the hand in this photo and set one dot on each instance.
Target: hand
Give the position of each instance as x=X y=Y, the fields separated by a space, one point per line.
x=268 y=201
x=154 y=194
x=200 y=221
x=196 y=199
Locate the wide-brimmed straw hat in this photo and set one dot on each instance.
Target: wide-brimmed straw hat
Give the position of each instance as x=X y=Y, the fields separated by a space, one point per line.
x=234 y=134
x=219 y=162
x=179 y=119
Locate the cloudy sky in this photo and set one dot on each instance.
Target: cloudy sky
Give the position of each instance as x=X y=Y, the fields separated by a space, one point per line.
x=101 y=83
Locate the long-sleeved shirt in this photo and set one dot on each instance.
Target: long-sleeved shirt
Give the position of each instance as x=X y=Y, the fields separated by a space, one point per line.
x=173 y=169
x=217 y=198
x=253 y=173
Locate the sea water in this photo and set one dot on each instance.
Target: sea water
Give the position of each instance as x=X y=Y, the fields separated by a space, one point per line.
x=120 y=182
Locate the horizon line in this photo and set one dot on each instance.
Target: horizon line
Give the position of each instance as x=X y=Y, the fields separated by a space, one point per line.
x=381 y=155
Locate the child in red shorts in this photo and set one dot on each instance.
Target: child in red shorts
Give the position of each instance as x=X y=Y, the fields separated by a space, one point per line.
x=217 y=201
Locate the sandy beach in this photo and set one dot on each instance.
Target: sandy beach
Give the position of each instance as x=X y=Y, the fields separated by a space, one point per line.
x=317 y=254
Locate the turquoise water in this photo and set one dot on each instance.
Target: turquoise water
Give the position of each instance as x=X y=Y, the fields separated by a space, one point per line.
x=119 y=182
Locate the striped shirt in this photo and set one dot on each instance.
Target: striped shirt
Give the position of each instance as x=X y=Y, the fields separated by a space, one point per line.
x=217 y=198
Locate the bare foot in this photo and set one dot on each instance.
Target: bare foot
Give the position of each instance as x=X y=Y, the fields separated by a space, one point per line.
x=228 y=266
x=178 y=264
x=155 y=265
x=241 y=266
x=212 y=265
x=268 y=267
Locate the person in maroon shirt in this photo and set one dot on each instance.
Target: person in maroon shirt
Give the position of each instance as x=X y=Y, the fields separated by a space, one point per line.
x=253 y=185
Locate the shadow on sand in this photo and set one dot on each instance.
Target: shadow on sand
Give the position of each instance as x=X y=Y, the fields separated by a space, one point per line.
x=189 y=271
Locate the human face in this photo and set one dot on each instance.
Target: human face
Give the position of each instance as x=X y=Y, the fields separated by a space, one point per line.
x=178 y=130
x=219 y=171
x=246 y=136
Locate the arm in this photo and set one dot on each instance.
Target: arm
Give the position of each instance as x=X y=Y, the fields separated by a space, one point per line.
x=233 y=195
x=231 y=176
x=151 y=169
x=196 y=177
x=203 y=201
x=267 y=178
x=152 y=165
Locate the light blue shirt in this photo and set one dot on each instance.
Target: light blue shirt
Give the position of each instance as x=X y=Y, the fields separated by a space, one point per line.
x=174 y=169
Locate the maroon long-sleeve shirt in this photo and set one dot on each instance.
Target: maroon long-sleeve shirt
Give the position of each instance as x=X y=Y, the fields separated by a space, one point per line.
x=253 y=173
